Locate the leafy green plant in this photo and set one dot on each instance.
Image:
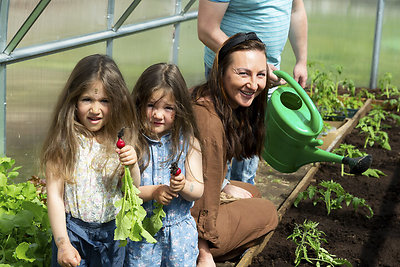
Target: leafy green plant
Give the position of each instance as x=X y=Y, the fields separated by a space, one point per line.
x=308 y=240
x=324 y=87
x=25 y=233
x=371 y=125
x=386 y=86
x=333 y=195
x=352 y=152
x=365 y=93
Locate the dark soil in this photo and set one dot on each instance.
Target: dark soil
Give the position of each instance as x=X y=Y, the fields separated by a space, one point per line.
x=350 y=235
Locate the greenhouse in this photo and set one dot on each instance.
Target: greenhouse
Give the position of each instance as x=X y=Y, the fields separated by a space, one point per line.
x=350 y=108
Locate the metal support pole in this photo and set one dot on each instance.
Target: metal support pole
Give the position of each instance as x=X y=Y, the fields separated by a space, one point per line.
x=176 y=37
x=26 y=26
x=4 y=7
x=110 y=21
x=377 y=44
x=126 y=14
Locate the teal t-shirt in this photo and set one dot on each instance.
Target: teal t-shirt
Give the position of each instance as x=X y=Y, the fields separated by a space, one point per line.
x=269 y=19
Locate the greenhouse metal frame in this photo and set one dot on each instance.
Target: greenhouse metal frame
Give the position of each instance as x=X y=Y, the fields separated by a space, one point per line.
x=11 y=54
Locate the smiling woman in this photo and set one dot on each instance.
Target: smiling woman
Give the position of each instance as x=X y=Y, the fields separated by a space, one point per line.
x=229 y=111
x=246 y=77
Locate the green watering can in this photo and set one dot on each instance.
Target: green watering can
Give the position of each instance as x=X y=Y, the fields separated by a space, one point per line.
x=293 y=125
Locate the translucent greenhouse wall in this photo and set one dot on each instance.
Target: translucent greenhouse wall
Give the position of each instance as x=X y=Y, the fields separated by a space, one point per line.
x=341 y=32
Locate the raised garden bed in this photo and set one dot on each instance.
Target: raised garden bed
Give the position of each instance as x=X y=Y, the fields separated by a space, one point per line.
x=350 y=235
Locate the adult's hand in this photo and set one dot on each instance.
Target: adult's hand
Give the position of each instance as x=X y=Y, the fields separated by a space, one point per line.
x=300 y=74
x=236 y=191
x=274 y=80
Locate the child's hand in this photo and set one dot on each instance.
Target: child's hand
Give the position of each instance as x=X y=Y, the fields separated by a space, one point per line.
x=163 y=194
x=177 y=183
x=67 y=255
x=127 y=155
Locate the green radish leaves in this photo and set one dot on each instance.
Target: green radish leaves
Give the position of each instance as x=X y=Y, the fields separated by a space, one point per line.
x=154 y=223
x=129 y=220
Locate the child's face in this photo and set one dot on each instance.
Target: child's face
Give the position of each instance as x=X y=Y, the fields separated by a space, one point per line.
x=93 y=107
x=161 y=112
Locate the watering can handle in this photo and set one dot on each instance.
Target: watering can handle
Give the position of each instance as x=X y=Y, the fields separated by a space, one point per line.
x=315 y=120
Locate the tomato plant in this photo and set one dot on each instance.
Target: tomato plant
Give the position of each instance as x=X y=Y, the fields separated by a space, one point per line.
x=308 y=240
x=333 y=195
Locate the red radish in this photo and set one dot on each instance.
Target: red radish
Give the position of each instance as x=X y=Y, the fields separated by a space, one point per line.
x=178 y=171
x=175 y=170
x=120 y=142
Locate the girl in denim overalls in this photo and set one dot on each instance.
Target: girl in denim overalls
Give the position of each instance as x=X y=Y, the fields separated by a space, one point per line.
x=165 y=120
x=83 y=165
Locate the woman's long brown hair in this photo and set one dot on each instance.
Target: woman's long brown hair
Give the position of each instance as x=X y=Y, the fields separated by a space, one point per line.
x=244 y=126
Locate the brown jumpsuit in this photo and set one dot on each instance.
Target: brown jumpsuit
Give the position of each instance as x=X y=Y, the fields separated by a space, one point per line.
x=230 y=228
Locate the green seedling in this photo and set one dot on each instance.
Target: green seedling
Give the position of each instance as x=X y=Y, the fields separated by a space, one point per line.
x=386 y=86
x=371 y=125
x=352 y=152
x=365 y=93
x=333 y=195
x=324 y=92
x=308 y=240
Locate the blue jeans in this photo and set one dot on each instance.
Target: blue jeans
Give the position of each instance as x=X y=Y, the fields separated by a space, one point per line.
x=94 y=242
x=244 y=170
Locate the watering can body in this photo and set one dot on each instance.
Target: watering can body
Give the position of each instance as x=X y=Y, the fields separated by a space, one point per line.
x=293 y=125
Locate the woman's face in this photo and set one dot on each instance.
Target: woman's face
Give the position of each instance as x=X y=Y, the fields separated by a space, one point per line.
x=245 y=77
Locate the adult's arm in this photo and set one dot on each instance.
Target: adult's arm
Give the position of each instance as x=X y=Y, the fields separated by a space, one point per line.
x=298 y=40
x=67 y=255
x=208 y=24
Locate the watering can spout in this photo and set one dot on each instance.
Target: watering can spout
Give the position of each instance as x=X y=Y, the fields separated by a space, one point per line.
x=293 y=125
x=358 y=165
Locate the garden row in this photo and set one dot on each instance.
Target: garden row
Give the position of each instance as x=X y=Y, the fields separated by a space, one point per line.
x=338 y=98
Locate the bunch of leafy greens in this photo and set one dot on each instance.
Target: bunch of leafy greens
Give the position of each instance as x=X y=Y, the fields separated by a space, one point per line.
x=131 y=220
x=25 y=232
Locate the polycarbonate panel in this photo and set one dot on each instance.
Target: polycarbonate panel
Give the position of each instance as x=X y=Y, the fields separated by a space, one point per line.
x=390 y=45
x=191 y=54
x=61 y=19
x=135 y=53
x=32 y=92
x=158 y=8
x=341 y=32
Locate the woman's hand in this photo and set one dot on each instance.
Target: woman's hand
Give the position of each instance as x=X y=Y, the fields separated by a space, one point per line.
x=163 y=194
x=177 y=183
x=236 y=191
x=67 y=255
x=127 y=155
